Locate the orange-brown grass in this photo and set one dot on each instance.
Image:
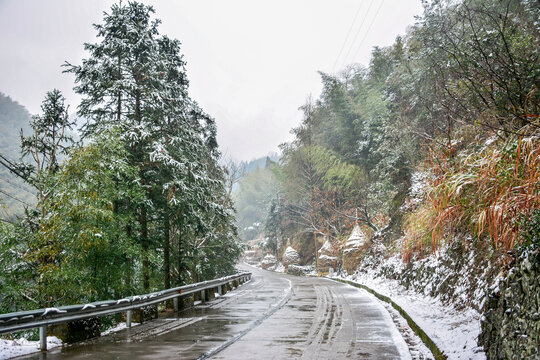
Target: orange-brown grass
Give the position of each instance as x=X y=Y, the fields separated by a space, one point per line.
x=484 y=194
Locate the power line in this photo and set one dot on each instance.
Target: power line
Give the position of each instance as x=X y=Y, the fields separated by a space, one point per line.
x=348 y=34
x=369 y=28
x=10 y=166
x=14 y=198
x=357 y=33
x=17 y=186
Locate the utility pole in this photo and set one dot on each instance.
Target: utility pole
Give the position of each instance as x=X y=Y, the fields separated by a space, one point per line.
x=316 y=252
x=308 y=114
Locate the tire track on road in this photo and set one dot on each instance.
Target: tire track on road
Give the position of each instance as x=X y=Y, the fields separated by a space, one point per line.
x=287 y=296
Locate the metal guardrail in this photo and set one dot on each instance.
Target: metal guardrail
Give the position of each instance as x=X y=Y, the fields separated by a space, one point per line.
x=22 y=320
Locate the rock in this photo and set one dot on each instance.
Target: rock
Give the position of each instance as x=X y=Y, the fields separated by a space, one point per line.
x=299 y=270
x=354 y=249
x=269 y=262
x=252 y=257
x=327 y=259
x=290 y=257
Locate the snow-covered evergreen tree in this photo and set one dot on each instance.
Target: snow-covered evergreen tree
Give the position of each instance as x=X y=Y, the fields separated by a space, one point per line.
x=135 y=79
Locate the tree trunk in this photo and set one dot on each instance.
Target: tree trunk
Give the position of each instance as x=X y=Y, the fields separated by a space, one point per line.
x=144 y=245
x=180 y=264
x=129 y=264
x=166 y=251
x=119 y=100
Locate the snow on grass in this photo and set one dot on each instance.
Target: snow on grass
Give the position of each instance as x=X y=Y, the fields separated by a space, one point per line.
x=454 y=332
x=19 y=347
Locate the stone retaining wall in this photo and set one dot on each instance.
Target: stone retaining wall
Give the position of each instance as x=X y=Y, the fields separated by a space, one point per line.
x=511 y=325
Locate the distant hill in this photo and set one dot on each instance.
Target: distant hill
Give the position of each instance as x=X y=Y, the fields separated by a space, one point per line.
x=260 y=163
x=13 y=118
x=252 y=195
x=256 y=164
x=14 y=192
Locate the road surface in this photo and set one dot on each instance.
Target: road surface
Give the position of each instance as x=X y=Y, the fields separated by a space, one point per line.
x=274 y=316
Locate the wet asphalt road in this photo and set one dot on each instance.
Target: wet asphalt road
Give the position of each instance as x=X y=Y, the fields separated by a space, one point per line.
x=274 y=316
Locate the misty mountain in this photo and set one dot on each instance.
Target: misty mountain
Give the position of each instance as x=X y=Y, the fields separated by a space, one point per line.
x=260 y=163
x=14 y=192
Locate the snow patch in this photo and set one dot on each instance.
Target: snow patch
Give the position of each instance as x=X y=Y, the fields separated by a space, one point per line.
x=52 y=310
x=118 y=327
x=356 y=240
x=419 y=184
x=454 y=332
x=327 y=247
x=19 y=347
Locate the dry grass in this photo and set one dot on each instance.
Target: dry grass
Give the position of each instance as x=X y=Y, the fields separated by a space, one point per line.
x=483 y=193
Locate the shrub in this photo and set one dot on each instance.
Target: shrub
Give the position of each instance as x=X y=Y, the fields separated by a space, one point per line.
x=484 y=193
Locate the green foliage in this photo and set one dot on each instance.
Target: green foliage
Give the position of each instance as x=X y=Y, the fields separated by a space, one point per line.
x=484 y=60
x=15 y=273
x=80 y=246
x=530 y=232
x=48 y=141
x=344 y=164
x=336 y=173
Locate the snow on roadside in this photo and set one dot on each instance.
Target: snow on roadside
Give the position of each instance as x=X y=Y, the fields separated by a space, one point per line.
x=417 y=348
x=118 y=327
x=454 y=332
x=397 y=338
x=18 y=347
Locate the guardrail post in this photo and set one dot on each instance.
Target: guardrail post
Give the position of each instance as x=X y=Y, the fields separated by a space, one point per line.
x=175 y=304
x=129 y=315
x=43 y=338
x=203 y=296
x=220 y=289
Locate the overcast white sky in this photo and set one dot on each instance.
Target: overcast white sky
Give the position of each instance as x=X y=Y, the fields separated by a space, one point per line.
x=250 y=63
